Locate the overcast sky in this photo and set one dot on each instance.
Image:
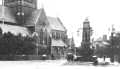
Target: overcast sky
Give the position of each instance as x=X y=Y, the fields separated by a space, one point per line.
x=101 y=13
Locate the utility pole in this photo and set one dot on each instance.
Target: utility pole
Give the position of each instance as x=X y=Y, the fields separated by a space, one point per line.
x=112 y=44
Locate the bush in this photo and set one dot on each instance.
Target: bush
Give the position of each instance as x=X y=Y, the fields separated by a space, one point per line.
x=16 y=45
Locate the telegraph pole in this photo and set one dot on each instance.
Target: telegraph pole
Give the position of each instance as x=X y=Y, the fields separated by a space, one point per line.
x=112 y=44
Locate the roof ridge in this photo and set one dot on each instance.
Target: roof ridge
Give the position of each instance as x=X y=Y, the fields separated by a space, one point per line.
x=34 y=17
x=56 y=24
x=61 y=23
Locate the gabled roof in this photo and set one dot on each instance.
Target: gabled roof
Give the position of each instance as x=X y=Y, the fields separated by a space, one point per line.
x=34 y=18
x=8 y=17
x=56 y=24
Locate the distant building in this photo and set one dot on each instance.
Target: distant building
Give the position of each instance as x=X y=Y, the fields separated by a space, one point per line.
x=101 y=42
x=71 y=45
x=104 y=37
x=86 y=34
x=71 y=42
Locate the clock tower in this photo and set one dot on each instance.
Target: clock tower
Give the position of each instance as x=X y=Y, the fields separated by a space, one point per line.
x=21 y=9
x=86 y=50
x=86 y=34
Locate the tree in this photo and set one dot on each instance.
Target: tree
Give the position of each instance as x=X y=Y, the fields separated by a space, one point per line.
x=16 y=45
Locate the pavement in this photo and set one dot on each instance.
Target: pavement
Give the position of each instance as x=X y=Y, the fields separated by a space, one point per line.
x=53 y=64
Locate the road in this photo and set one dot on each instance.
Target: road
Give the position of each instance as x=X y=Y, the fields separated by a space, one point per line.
x=49 y=64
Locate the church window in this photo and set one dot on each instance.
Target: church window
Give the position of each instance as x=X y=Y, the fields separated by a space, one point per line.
x=41 y=36
x=43 y=24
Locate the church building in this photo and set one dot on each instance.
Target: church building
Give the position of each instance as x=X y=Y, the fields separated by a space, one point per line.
x=23 y=17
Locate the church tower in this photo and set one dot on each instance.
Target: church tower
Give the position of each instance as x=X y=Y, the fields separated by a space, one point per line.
x=21 y=9
x=86 y=34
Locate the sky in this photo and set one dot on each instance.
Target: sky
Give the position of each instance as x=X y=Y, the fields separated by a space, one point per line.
x=101 y=14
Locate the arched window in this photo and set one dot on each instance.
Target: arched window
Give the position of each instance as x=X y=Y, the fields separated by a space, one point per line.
x=45 y=36
x=41 y=36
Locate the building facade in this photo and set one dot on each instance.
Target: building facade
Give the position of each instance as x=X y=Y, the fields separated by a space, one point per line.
x=58 y=38
x=86 y=34
x=23 y=17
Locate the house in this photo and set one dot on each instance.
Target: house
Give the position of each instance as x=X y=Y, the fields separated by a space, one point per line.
x=59 y=37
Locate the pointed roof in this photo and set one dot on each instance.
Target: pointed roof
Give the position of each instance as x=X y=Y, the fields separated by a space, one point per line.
x=8 y=17
x=35 y=17
x=56 y=24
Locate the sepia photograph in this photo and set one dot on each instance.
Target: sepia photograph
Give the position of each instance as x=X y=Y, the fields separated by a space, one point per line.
x=59 y=34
